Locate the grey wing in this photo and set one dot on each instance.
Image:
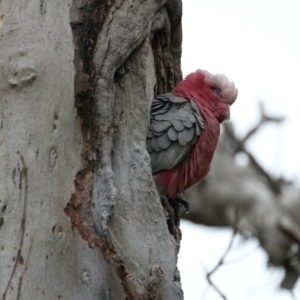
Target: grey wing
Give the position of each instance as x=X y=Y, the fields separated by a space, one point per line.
x=175 y=126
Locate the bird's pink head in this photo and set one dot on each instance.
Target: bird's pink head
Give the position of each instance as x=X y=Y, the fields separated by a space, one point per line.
x=212 y=93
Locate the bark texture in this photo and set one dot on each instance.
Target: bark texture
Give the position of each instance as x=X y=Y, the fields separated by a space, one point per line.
x=80 y=217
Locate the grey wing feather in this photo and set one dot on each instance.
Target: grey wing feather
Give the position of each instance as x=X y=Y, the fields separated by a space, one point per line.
x=194 y=140
x=187 y=123
x=178 y=125
x=159 y=127
x=154 y=144
x=175 y=126
x=188 y=134
x=149 y=147
x=163 y=141
x=172 y=134
x=171 y=98
x=195 y=107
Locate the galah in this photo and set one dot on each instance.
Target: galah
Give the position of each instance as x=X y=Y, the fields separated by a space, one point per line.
x=184 y=130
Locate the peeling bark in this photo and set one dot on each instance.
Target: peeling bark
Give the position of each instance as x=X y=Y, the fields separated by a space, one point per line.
x=77 y=80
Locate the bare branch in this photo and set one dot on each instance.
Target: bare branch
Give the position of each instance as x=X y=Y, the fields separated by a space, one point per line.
x=234 y=261
x=216 y=288
x=221 y=261
x=287 y=226
x=293 y=295
x=240 y=147
x=263 y=119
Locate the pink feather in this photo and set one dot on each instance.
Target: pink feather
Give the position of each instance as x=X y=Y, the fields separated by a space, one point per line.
x=198 y=86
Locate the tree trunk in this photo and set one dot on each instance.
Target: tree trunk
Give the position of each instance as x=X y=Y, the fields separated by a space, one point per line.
x=80 y=217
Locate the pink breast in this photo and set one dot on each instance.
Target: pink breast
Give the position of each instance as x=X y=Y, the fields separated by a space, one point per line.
x=194 y=168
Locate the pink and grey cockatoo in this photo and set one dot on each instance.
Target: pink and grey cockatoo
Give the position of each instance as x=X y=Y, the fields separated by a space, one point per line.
x=184 y=130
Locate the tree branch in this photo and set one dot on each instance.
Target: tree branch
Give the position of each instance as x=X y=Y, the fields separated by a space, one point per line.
x=240 y=147
x=221 y=261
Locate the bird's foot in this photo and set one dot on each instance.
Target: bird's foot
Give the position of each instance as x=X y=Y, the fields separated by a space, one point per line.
x=172 y=208
x=170 y=211
x=184 y=203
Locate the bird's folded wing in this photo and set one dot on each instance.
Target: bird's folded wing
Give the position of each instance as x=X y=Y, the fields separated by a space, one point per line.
x=175 y=126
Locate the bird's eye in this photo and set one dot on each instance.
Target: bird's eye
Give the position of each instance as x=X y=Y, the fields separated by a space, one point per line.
x=217 y=92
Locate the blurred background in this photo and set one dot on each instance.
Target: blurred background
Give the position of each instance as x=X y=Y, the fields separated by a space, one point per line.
x=253 y=186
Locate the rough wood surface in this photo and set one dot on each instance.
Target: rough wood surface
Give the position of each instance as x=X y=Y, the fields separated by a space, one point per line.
x=76 y=80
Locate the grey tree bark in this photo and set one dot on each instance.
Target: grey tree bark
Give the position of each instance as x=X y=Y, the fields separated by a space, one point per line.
x=80 y=217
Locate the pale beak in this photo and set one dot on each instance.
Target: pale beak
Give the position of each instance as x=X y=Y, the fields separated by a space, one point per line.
x=227 y=117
